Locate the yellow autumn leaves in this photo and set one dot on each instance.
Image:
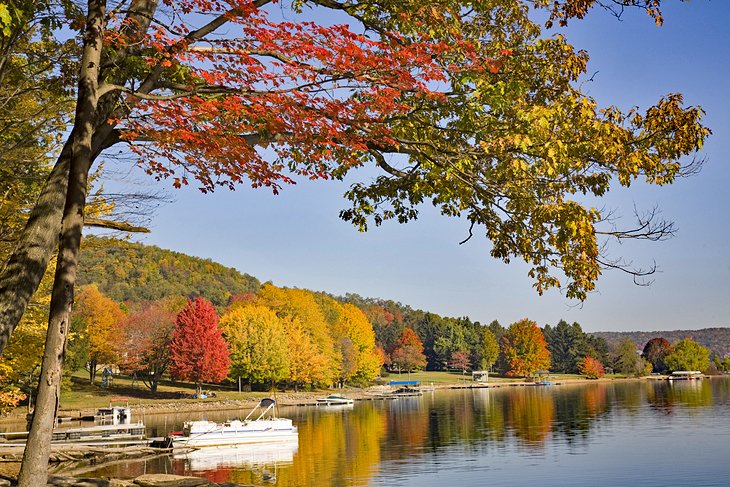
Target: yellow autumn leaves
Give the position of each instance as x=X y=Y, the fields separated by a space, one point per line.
x=300 y=337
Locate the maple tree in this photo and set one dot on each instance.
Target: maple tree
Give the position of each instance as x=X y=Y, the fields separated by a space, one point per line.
x=198 y=352
x=655 y=351
x=258 y=344
x=307 y=365
x=525 y=349
x=408 y=352
x=484 y=111
x=361 y=361
x=100 y=318
x=302 y=307
x=146 y=343
x=591 y=368
x=460 y=360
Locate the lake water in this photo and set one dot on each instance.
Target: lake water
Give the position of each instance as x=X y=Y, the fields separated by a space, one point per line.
x=649 y=433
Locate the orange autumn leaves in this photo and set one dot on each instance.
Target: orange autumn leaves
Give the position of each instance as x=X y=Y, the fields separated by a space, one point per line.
x=525 y=349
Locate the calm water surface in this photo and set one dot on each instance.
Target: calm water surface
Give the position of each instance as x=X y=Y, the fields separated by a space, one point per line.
x=653 y=433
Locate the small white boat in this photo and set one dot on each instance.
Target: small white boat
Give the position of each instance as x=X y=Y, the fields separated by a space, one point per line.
x=335 y=400
x=236 y=432
x=686 y=375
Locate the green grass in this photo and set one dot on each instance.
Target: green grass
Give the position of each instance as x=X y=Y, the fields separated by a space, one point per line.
x=81 y=395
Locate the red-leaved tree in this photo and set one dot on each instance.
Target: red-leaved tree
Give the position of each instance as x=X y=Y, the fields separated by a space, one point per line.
x=147 y=336
x=198 y=352
x=408 y=352
x=460 y=360
x=591 y=368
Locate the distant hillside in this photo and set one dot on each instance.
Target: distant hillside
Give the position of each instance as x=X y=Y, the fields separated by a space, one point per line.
x=716 y=339
x=135 y=272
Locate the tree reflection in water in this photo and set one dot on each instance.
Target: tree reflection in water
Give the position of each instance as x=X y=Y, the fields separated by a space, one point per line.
x=401 y=438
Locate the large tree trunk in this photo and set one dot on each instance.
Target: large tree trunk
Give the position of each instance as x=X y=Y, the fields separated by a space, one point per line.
x=25 y=267
x=34 y=469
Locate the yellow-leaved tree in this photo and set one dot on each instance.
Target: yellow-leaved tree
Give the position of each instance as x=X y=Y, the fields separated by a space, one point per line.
x=300 y=306
x=307 y=365
x=354 y=333
x=258 y=344
x=98 y=317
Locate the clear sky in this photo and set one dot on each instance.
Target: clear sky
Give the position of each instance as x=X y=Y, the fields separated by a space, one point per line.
x=296 y=239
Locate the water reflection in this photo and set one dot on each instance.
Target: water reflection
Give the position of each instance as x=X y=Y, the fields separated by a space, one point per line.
x=219 y=464
x=397 y=442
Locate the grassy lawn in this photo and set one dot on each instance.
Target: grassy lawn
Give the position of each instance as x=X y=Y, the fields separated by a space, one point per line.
x=83 y=395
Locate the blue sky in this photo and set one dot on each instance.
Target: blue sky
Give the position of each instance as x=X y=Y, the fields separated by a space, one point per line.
x=296 y=238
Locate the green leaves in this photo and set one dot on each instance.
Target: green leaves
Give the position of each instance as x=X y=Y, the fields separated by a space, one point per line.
x=687 y=354
x=514 y=151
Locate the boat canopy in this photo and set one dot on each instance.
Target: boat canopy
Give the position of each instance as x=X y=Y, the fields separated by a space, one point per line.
x=265 y=404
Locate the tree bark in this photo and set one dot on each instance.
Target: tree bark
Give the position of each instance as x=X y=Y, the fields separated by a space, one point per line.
x=25 y=267
x=34 y=469
x=92 y=370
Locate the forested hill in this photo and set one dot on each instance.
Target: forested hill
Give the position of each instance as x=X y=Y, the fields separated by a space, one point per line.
x=716 y=339
x=127 y=271
x=131 y=271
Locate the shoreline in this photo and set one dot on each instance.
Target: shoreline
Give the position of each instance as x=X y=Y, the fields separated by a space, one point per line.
x=302 y=398
x=298 y=399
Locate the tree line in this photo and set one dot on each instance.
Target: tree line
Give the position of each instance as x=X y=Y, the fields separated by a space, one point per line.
x=274 y=337
x=298 y=337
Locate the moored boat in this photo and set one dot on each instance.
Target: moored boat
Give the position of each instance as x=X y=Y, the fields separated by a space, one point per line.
x=686 y=375
x=262 y=429
x=335 y=400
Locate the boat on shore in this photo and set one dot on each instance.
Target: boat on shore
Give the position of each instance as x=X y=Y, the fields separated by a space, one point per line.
x=262 y=429
x=335 y=400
